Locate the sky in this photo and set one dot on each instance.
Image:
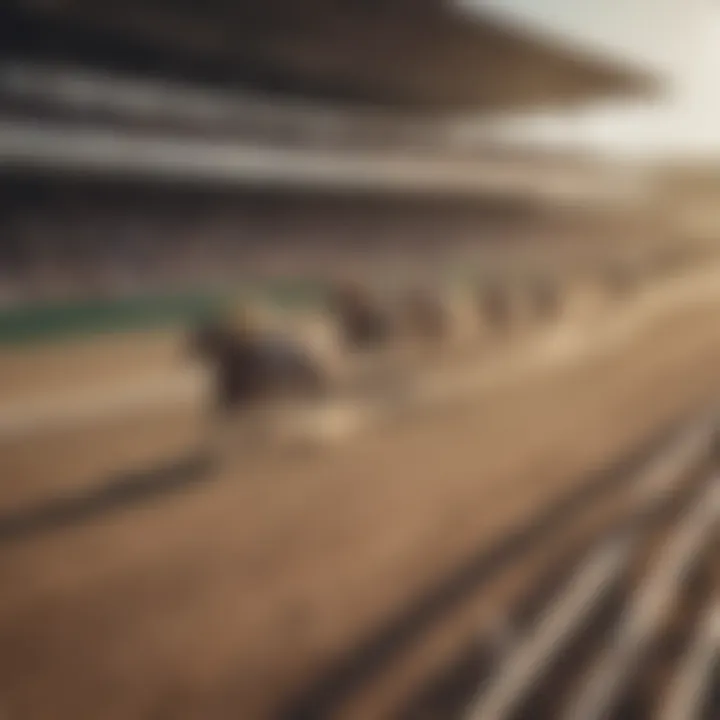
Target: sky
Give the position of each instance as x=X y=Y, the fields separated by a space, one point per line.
x=679 y=40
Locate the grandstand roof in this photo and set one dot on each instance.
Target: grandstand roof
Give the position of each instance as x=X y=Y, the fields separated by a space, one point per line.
x=417 y=54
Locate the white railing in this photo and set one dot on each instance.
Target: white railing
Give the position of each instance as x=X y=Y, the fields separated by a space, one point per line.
x=53 y=146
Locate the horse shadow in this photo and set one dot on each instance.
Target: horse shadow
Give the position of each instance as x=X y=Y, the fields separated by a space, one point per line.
x=114 y=493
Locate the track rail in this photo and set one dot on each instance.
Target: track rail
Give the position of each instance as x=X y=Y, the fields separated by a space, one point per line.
x=633 y=630
x=610 y=594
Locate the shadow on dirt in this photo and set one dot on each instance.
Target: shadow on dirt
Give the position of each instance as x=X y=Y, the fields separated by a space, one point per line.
x=116 y=492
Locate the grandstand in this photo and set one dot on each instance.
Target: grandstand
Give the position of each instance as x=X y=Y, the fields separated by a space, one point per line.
x=140 y=157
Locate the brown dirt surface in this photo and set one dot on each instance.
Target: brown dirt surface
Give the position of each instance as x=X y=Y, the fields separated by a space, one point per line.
x=31 y=369
x=228 y=599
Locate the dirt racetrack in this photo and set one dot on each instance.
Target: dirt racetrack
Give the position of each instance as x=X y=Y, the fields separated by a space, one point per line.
x=233 y=597
x=48 y=367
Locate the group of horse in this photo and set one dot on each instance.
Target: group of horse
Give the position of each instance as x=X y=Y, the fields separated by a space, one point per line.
x=251 y=362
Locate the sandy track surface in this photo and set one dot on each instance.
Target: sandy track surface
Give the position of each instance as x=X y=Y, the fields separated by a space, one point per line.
x=461 y=372
x=37 y=369
x=149 y=422
x=228 y=599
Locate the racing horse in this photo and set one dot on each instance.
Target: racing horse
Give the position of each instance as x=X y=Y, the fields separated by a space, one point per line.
x=495 y=306
x=252 y=368
x=546 y=298
x=425 y=316
x=254 y=371
x=368 y=324
x=364 y=323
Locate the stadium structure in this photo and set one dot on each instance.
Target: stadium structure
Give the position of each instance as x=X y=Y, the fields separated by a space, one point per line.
x=174 y=145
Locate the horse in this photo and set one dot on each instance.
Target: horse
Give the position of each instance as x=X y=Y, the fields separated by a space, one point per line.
x=425 y=316
x=495 y=306
x=250 y=369
x=545 y=299
x=364 y=323
x=418 y=314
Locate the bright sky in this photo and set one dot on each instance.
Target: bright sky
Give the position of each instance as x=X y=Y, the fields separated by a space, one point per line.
x=679 y=39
